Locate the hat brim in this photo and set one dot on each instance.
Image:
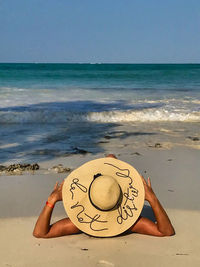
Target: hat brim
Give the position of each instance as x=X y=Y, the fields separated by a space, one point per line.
x=89 y=218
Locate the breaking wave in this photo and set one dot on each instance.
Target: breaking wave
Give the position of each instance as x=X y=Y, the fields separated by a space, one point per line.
x=97 y=113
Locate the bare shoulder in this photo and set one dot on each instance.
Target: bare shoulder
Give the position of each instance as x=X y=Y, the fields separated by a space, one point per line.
x=145 y=226
x=61 y=228
x=67 y=226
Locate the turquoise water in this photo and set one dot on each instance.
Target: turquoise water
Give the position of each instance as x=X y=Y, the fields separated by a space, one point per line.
x=36 y=97
x=101 y=76
x=134 y=92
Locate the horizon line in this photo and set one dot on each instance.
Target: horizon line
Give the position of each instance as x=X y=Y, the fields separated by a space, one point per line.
x=99 y=63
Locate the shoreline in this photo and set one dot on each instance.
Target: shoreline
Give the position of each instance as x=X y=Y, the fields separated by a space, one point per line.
x=43 y=144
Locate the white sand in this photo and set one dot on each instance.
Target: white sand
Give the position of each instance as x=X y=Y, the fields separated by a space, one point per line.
x=176 y=180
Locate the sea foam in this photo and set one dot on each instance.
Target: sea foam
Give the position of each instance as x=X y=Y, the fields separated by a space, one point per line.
x=53 y=116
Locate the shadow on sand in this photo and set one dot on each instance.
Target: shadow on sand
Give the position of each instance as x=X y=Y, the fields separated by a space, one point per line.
x=43 y=131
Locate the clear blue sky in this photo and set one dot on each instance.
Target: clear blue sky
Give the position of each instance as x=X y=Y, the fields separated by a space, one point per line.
x=132 y=31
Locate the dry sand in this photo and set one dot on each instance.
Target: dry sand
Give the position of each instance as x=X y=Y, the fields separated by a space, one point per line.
x=176 y=180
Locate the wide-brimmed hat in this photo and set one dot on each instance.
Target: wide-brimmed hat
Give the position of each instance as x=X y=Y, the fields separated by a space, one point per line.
x=103 y=197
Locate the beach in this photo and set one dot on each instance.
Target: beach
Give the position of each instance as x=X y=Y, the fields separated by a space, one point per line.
x=175 y=180
x=60 y=116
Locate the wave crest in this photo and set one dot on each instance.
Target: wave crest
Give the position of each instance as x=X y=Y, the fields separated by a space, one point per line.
x=52 y=116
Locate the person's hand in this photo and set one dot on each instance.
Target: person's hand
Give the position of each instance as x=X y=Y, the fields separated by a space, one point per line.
x=149 y=194
x=56 y=194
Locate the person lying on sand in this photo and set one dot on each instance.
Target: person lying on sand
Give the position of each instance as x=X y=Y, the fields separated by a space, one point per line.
x=162 y=226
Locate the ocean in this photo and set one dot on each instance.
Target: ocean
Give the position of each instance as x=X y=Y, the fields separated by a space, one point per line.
x=50 y=110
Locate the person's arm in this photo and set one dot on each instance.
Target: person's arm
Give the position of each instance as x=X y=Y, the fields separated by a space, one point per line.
x=43 y=229
x=163 y=226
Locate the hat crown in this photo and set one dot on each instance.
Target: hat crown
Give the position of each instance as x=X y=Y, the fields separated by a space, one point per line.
x=104 y=192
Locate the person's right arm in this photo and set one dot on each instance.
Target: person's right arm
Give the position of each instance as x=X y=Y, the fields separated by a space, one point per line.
x=163 y=226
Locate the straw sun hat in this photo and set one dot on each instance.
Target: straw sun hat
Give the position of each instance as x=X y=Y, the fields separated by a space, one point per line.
x=103 y=197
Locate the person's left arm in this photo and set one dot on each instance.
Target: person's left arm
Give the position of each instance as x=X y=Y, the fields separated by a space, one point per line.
x=43 y=229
